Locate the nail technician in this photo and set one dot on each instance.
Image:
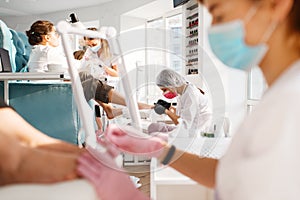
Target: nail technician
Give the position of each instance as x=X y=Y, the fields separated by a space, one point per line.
x=263 y=159
x=192 y=109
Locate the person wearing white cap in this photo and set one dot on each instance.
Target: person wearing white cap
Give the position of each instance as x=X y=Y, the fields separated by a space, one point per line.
x=192 y=109
x=98 y=59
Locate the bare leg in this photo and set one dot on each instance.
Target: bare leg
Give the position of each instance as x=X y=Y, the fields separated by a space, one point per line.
x=39 y=166
x=35 y=157
x=93 y=89
x=99 y=123
x=144 y=106
x=98 y=117
x=117 y=98
x=110 y=111
x=28 y=135
x=31 y=165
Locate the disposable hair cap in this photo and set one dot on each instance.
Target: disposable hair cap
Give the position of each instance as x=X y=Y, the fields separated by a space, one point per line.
x=169 y=78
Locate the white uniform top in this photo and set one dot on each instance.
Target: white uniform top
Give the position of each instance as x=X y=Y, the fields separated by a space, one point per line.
x=42 y=55
x=263 y=161
x=92 y=64
x=194 y=111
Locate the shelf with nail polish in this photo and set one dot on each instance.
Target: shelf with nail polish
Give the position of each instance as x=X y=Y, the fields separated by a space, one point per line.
x=193 y=24
x=192 y=61
x=192 y=33
x=192 y=19
x=192 y=53
x=192 y=42
x=192 y=16
x=192 y=71
x=192 y=7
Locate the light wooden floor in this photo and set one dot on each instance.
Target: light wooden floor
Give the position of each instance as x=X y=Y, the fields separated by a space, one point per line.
x=142 y=172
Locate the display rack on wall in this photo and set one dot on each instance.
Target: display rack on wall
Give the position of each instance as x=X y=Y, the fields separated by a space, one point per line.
x=192 y=17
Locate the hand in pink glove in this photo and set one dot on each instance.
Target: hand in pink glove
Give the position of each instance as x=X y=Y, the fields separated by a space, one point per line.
x=111 y=148
x=109 y=181
x=133 y=141
x=162 y=136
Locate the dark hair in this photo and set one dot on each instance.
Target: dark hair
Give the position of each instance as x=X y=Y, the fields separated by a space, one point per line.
x=38 y=29
x=91 y=29
x=295 y=16
x=78 y=55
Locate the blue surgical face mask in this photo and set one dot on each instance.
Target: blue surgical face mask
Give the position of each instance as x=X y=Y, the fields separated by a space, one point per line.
x=96 y=48
x=227 y=43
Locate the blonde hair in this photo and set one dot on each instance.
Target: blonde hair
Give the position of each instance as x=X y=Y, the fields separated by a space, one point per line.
x=105 y=49
x=104 y=45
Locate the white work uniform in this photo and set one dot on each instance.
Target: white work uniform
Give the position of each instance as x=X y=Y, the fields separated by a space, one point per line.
x=42 y=55
x=194 y=111
x=263 y=161
x=93 y=64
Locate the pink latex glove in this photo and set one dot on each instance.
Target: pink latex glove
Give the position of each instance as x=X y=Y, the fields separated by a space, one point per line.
x=133 y=141
x=163 y=136
x=111 y=148
x=109 y=181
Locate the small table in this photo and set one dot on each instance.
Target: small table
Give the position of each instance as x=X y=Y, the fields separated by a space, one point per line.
x=6 y=77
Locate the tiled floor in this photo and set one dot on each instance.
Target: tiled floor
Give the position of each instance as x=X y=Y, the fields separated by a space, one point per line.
x=144 y=174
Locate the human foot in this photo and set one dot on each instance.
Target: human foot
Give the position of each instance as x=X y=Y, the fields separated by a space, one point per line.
x=108 y=110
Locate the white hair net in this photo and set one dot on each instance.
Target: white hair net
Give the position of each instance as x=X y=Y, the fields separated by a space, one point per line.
x=169 y=78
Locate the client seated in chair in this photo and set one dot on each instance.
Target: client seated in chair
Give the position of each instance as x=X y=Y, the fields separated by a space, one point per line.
x=43 y=36
x=33 y=157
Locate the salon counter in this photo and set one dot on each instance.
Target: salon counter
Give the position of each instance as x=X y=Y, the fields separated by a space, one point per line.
x=47 y=105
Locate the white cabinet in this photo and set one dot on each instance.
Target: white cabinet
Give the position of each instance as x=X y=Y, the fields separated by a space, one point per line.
x=167 y=183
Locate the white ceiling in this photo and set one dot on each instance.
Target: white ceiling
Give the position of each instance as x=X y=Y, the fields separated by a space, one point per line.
x=152 y=10
x=36 y=7
x=10 y=8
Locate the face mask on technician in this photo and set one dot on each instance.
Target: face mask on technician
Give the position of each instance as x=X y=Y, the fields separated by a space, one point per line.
x=227 y=42
x=96 y=48
x=170 y=95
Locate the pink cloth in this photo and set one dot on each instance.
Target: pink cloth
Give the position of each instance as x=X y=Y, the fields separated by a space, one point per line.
x=160 y=130
x=160 y=127
x=109 y=181
x=163 y=136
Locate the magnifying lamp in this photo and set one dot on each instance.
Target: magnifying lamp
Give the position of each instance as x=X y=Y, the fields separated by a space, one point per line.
x=65 y=28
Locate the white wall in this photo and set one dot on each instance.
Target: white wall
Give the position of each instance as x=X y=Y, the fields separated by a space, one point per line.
x=234 y=81
x=107 y=13
x=128 y=22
